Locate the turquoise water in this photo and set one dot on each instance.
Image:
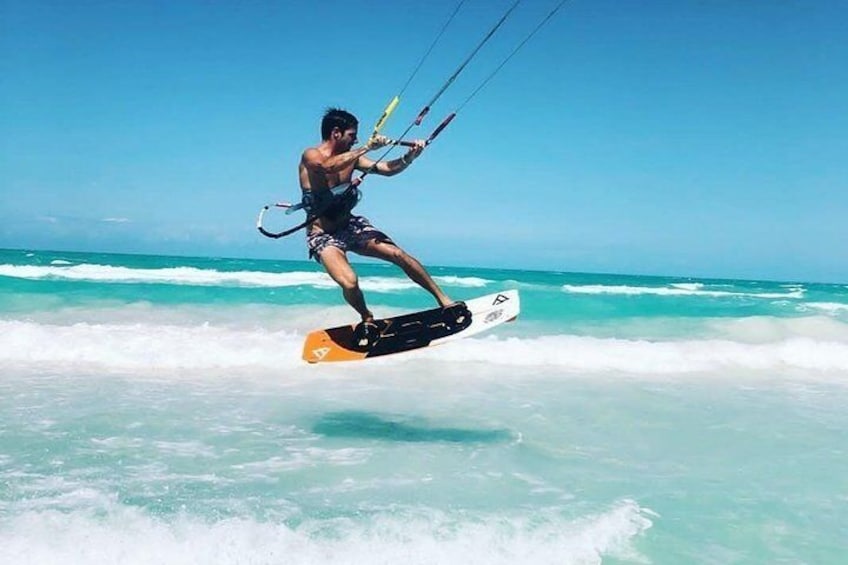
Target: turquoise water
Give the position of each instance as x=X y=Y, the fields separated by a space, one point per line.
x=155 y=410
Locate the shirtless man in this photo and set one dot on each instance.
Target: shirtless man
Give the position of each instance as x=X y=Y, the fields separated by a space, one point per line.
x=336 y=230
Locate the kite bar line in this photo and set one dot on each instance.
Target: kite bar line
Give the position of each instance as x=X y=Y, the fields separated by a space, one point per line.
x=390 y=108
x=396 y=100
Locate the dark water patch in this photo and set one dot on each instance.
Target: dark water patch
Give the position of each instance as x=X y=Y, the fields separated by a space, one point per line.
x=368 y=425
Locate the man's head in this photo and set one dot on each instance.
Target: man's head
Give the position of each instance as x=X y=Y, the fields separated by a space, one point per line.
x=340 y=126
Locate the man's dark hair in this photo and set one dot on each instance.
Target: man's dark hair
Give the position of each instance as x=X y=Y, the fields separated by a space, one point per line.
x=337 y=118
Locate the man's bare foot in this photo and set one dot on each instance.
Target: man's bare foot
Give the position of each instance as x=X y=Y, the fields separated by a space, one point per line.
x=365 y=334
x=457 y=310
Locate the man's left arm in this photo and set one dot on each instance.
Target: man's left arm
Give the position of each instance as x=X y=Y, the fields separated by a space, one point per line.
x=393 y=167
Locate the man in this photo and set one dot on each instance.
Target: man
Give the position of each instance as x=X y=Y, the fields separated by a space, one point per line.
x=336 y=230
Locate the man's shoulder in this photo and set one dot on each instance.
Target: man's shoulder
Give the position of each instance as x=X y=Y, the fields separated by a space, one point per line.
x=314 y=152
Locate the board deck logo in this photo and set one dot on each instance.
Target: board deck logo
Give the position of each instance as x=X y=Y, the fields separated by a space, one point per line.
x=492 y=316
x=500 y=299
x=321 y=352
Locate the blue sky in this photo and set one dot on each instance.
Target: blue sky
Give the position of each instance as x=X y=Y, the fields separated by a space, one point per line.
x=687 y=137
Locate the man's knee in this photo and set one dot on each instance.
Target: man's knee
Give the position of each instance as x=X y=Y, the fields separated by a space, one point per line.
x=336 y=265
x=398 y=256
x=348 y=281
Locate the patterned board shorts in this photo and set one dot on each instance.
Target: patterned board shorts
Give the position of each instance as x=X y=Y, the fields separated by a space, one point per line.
x=352 y=237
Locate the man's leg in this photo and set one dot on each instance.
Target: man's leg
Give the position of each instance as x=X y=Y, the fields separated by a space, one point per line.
x=410 y=265
x=337 y=266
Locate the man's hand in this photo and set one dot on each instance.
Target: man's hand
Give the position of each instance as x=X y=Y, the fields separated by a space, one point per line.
x=415 y=151
x=377 y=142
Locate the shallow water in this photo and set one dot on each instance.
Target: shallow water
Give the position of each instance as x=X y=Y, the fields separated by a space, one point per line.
x=156 y=410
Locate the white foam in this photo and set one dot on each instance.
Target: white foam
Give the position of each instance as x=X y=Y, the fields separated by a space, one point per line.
x=831 y=307
x=392 y=284
x=688 y=286
x=588 y=355
x=192 y=449
x=297 y=457
x=130 y=536
x=678 y=289
x=174 y=275
x=150 y=348
x=211 y=277
x=145 y=347
x=271 y=317
x=765 y=329
x=469 y=282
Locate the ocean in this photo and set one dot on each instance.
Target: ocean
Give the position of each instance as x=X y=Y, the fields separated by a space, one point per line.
x=156 y=410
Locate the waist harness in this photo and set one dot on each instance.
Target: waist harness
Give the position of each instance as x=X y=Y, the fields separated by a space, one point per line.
x=333 y=203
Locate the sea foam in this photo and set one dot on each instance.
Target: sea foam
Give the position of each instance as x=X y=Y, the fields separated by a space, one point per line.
x=211 y=277
x=678 y=289
x=150 y=347
x=128 y=535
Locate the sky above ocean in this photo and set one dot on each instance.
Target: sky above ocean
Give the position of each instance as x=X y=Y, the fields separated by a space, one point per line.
x=677 y=137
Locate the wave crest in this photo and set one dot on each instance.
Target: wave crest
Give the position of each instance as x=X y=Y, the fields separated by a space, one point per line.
x=150 y=347
x=211 y=277
x=128 y=535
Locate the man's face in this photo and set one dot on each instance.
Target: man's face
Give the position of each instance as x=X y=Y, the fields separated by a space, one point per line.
x=348 y=138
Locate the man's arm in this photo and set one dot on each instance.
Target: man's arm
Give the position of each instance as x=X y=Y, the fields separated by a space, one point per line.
x=313 y=160
x=393 y=167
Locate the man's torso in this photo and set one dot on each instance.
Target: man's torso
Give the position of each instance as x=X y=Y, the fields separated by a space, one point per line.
x=320 y=184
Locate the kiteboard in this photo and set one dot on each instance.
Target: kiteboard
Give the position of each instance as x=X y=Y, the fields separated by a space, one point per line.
x=413 y=331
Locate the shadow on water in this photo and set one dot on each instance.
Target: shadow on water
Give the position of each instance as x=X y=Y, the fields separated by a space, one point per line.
x=368 y=425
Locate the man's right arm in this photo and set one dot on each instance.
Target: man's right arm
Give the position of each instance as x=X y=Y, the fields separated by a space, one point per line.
x=315 y=161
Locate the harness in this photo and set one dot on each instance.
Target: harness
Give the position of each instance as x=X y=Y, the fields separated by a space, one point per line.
x=332 y=204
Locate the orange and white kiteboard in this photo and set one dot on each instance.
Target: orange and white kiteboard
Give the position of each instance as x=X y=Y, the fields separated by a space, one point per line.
x=414 y=331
